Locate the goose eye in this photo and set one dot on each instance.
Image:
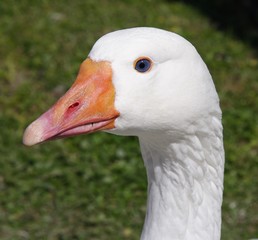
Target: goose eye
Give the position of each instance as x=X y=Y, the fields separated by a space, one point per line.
x=142 y=65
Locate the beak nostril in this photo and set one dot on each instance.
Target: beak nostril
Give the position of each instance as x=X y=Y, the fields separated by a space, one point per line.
x=74 y=105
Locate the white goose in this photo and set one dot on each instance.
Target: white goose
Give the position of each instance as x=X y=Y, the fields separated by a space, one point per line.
x=152 y=84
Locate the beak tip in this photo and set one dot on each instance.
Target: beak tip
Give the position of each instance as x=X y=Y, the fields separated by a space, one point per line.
x=33 y=134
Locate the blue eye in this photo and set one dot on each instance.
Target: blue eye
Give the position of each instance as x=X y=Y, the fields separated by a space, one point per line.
x=143 y=65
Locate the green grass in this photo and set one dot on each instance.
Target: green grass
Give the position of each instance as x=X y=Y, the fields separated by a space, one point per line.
x=94 y=187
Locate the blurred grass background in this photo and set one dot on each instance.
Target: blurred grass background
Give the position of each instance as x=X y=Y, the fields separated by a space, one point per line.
x=94 y=187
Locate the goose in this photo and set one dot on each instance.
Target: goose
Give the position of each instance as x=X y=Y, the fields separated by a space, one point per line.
x=153 y=84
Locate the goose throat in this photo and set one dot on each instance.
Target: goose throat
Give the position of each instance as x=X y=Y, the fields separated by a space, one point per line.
x=185 y=185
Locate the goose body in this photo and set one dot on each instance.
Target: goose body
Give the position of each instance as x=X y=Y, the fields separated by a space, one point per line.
x=153 y=84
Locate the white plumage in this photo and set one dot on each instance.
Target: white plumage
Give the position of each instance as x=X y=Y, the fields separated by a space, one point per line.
x=174 y=110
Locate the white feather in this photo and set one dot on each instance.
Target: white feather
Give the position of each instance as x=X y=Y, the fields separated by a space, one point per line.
x=174 y=110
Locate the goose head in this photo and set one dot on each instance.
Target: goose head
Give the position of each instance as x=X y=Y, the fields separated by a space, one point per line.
x=134 y=82
x=152 y=84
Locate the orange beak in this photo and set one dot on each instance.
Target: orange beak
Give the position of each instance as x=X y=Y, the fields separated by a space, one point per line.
x=88 y=106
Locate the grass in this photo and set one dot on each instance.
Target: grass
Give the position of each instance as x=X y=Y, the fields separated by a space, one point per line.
x=94 y=187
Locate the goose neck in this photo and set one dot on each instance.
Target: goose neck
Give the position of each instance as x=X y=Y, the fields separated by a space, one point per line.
x=185 y=184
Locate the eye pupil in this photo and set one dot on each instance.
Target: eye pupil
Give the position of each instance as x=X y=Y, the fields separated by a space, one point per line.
x=143 y=65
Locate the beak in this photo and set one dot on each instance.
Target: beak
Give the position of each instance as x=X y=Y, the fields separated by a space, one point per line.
x=88 y=106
